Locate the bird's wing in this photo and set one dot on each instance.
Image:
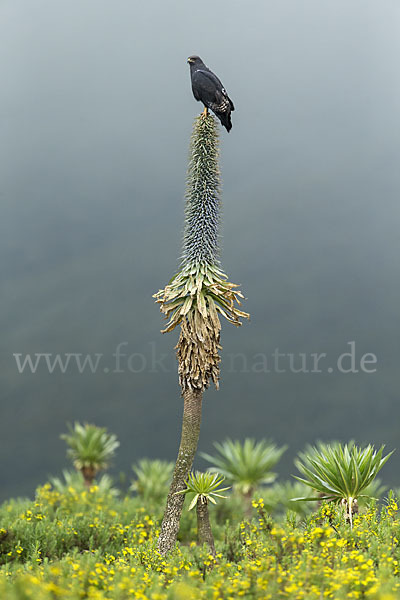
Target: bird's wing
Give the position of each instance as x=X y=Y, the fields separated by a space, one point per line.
x=206 y=80
x=226 y=97
x=212 y=87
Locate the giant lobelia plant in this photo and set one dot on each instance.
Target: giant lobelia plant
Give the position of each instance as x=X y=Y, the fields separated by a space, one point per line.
x=194 y=299
x=340 y=473
x=205 y=487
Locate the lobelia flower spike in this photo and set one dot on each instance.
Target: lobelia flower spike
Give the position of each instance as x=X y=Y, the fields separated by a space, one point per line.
x=200 y=292
x=194 y=299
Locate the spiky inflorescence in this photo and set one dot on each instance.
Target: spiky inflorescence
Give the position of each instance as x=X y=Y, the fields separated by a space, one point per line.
x=203 y=203
x=200 y=292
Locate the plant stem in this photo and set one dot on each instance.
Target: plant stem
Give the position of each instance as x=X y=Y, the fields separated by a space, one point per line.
x=350 y=505
x=89 y=474
x=204 y=533
x=248 y=503
x=192 y=400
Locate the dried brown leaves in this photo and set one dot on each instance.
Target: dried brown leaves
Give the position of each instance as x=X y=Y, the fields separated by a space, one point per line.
x=195 y=298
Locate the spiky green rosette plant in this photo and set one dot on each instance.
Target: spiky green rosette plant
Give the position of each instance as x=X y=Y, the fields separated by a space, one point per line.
x=205 y=487
x=75 y=480
x=246 y=465
x=90 y=449
x=340 y=473
x=153 y=478
x=194 y=299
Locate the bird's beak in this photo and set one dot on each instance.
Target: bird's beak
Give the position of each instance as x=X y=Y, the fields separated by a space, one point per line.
x=189 y=60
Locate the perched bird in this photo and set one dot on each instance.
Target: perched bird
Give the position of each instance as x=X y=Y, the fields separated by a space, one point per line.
x=208 y=89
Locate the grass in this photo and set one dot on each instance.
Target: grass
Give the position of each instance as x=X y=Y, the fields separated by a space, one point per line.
x=77 y=543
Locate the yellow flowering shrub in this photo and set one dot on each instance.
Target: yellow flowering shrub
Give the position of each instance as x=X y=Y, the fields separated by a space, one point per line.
x=87 y=545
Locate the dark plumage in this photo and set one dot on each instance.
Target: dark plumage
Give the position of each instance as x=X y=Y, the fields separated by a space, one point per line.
x=208 y=89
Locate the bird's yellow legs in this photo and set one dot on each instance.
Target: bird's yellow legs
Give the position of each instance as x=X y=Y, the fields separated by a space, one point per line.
x=205 y=112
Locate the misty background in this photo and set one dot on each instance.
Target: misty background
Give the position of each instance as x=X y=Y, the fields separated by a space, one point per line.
x=96 y=114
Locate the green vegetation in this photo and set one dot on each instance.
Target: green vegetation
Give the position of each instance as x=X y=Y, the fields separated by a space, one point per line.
x=78 y=542
x=83 y=543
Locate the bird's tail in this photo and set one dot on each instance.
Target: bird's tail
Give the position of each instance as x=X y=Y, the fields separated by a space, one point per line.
x=225 y=119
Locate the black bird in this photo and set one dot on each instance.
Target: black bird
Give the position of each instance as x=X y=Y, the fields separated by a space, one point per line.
x=208 y=89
